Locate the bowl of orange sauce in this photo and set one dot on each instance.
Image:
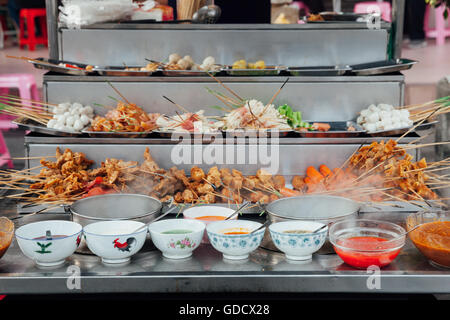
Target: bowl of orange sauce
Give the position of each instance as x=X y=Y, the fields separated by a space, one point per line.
x=208 y=214
x=234 y=238
x=432 y=237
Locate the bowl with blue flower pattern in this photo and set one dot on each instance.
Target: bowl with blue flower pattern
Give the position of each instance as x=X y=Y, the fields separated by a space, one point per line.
x=296 y=240
x=233 y=238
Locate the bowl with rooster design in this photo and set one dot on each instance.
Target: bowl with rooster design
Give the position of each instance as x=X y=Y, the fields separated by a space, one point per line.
x=177 y=238
x=49 y=243
x=115 y=241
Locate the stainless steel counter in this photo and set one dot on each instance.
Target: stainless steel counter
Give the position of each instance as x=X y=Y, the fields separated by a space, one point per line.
x=207 y=271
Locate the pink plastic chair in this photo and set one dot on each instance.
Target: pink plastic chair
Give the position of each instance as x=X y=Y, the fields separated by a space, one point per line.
x=364 y=7
x=5 y=157
x=440 y=32
x=27 y=90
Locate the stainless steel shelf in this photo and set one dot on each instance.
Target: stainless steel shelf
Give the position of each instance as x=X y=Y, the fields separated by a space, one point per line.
x=206 y=271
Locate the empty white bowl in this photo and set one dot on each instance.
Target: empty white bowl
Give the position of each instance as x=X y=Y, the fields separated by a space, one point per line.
x=66 y=237
x=235 y=246
x=208 y=211
x=115 y=241
x=298 y=246
x=186 y=237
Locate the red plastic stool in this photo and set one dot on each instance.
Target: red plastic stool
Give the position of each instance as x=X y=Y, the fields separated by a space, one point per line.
x=440 y=32
x=383 y=6
x=28 y=16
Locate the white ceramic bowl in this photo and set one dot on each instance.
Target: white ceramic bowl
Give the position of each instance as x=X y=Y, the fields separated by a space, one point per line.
x=298 y=246
x=49 y=253
x=202 y=211
x=180 y=245
x=236 y=246
x=115 y=241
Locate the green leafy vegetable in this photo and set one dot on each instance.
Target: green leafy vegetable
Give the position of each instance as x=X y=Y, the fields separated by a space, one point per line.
x=294 y=118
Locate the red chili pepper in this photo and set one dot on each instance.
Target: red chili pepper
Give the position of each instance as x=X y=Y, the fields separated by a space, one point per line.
x=97 y=191
x=67 y=65
x=93 y=183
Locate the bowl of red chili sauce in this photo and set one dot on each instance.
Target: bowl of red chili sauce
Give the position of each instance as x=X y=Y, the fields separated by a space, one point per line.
x=432 y=237
x=362 y=243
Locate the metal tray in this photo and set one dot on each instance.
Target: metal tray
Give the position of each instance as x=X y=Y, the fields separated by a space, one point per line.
x=116 y=134
x=338 y=129
x=268 y=71
x=399 y=131
x=189 y=73
x=204 y=135
x=121 y=71
x=33 y=126
x=340 y=17
x=256 y=133
x=318 y=71
x=380 y=67
x=52 y=65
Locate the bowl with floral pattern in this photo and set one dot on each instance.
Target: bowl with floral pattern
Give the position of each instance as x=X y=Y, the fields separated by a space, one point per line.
x=234 y=238
x=48 y=243
x=296 y=238
x=177 y=238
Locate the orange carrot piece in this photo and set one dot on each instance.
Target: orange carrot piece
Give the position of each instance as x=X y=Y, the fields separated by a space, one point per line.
x=286 y=192
x=321 y=126
x=313 y=174
x=325 y=171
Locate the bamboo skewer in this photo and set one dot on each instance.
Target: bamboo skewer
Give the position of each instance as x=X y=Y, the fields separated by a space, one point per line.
x=275 y=95
x=226 y=88
x=176 y=104
x=118 y=92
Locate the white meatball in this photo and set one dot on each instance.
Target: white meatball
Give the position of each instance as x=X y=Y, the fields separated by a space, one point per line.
x=173 y=58
x=84 y=120
x=89 y=109
x=58 y=127
x=66 y=114
x=370 y=127
x=404 y=114
x=61 y=120
x=384 y=115
x=51 y=123
x=386 y=122
x=78 y=125
x=77 y=105
x=189 y=60
x=183 y=64
x=209 y=61
x=70 y=121
x=373 y=117
x=75 y=111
